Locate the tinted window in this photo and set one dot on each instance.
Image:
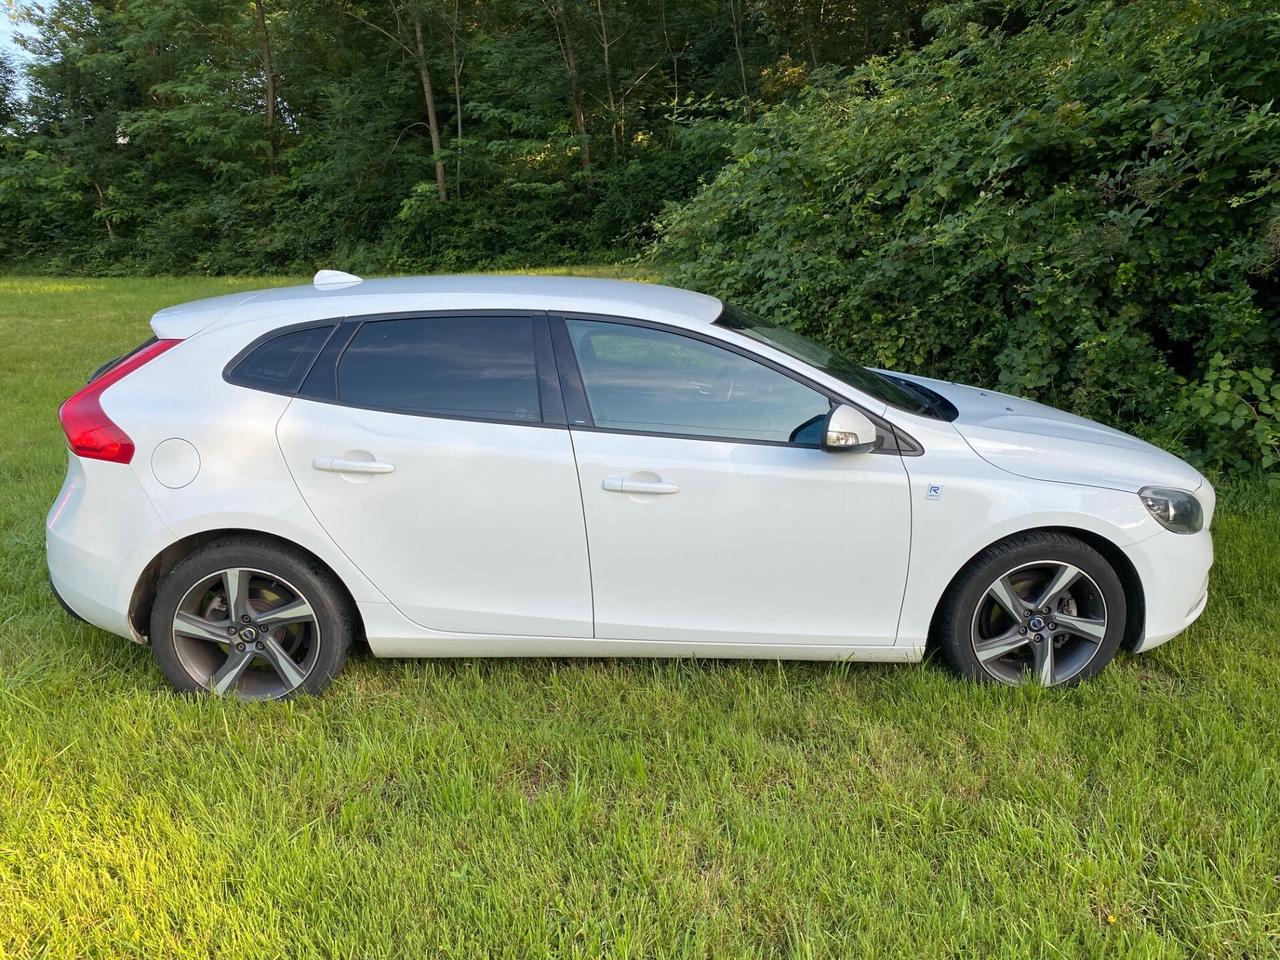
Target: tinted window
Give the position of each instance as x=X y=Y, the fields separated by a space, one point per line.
x=896 y=391
x=280 y=364
x=652 y=381
x=473 y=366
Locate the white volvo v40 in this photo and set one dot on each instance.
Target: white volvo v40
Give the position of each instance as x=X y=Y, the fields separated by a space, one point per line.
x=521 y=466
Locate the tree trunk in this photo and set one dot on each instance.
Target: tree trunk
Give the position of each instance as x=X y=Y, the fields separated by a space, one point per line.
x=429 y=96
x=102 y=207
x=615 y=121
x=561 y=21
x=734 y=16
x=456 y=64
x=264 y=51
x=675 y=61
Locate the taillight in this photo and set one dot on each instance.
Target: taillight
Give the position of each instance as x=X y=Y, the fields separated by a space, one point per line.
x=90 y=432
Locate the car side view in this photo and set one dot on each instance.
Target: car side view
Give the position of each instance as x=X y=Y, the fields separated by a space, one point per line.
x=550 y=466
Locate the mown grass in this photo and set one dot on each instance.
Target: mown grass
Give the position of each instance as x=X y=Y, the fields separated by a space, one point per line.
x=611 y=808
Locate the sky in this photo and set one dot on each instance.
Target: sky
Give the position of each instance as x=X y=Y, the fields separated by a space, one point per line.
x=7 y=30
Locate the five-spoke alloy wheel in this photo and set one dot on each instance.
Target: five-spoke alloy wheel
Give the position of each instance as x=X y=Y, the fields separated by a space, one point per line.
x=248 y=618
x=1039 y=607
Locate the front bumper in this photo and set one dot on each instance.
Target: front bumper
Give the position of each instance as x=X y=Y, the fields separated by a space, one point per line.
x=1174 y=570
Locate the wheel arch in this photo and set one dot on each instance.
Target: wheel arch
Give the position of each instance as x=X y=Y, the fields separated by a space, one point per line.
x=1135 y=608
x=144 y=591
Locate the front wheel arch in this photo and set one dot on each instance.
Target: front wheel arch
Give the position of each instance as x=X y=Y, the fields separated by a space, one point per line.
x=1135 y=609
x=144 y=591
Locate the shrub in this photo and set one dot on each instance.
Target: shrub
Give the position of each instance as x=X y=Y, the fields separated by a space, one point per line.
x=1078 y=202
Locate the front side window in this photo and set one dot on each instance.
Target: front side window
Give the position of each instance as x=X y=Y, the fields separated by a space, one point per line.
x=895 y=391
x=651 y=381
x=474 y=367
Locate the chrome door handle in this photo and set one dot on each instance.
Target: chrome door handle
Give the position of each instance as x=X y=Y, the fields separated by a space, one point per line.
x=343 y=465
x=628 y=485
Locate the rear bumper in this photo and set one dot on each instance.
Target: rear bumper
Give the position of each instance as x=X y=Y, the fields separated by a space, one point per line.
x=100 y=534
x=62 y=603
x=1174 y=570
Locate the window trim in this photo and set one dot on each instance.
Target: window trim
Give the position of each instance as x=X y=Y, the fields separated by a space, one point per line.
x=894 y=443
x=549 y=397
x=331 y=323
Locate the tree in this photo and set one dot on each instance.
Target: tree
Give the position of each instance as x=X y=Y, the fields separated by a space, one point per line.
x=256 y=135
x=415 y=48
x=9 y=100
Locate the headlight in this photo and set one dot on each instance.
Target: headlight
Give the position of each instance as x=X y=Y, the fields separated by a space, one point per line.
x=1175 y=510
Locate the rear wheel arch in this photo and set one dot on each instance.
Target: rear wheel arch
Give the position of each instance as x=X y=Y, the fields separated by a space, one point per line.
x=144 y=591
x=1135 y=615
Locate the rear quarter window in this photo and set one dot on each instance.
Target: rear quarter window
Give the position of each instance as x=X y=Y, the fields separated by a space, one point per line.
x=278 y=365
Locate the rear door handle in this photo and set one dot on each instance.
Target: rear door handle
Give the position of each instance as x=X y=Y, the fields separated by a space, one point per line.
x=343 y=465
x=628 y=485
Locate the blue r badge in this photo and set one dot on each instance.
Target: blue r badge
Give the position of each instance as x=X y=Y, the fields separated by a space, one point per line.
x=935 y=492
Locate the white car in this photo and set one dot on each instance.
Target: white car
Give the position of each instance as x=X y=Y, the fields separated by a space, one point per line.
x=546 y=466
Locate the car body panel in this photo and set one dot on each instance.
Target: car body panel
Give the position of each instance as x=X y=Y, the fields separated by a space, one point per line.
x=281 y=306
x=1174 y=570
x=1039 y=442
x=762 y=543
x=478 y=530
x=962 y=504
x=100 y=534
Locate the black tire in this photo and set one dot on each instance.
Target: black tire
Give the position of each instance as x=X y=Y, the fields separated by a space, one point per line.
x=972 y=617
x=302 y=654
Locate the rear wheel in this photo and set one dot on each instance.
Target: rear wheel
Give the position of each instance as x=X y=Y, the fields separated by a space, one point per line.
x=1038 y=607
x=249 y=618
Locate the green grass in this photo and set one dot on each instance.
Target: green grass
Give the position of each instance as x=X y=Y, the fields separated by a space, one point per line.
x=566 y=808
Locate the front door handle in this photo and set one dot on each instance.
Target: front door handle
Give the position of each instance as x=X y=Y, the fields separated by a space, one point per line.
x=343 y=465
x=631 y=485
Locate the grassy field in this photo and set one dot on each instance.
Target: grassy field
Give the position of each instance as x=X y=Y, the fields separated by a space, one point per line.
x=603 y=808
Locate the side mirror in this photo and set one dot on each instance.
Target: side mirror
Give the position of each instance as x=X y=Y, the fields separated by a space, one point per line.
x=849 y=430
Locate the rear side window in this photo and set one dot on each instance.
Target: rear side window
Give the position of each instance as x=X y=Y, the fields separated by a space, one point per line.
x=475 y=367
x=279 y=364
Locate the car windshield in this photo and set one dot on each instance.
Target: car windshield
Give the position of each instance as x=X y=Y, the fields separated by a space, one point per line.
x=897 y=393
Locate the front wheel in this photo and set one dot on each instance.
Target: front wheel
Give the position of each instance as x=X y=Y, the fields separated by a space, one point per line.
x=246 y=617
x=1038 y=607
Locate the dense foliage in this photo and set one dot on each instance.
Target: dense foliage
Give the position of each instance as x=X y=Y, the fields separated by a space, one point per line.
x=220 y=136
x=1074 y=201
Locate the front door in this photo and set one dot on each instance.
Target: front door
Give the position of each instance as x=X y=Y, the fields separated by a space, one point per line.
x=712 y=515
x=435 y=468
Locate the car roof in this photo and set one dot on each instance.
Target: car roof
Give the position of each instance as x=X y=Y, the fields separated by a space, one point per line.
x=341 y=295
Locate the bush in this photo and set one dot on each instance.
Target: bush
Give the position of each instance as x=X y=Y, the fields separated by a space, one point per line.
x=1077 y=202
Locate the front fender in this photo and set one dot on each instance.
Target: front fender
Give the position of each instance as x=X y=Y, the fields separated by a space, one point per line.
x=960 y=504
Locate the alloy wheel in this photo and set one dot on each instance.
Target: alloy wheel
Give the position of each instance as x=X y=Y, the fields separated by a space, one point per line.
x=246 y=632
x=1041 y=622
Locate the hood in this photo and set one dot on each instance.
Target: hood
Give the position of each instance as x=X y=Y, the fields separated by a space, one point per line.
x=1041 y=443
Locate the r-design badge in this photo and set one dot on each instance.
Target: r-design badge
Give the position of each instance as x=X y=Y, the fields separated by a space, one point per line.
x=935 y=492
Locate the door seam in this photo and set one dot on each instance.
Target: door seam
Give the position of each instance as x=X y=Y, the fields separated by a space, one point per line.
x=586 y=534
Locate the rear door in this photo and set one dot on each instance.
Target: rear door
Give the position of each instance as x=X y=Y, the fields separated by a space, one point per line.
x=433 y=449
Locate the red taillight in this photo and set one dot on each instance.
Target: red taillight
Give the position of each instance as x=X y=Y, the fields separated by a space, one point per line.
x=90 y=432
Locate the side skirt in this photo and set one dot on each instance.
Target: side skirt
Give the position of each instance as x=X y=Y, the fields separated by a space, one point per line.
x=391 y=635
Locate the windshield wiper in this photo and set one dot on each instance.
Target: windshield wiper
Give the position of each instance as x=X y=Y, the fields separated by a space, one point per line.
x=934 y=403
